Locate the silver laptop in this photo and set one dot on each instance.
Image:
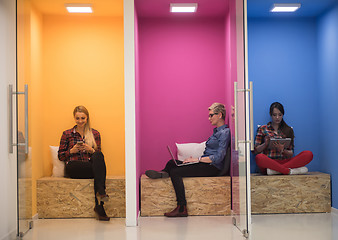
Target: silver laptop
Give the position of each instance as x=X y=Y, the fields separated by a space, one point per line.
x=176 y=161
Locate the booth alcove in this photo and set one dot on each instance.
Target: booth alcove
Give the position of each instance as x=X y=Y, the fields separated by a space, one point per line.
x=184 y=63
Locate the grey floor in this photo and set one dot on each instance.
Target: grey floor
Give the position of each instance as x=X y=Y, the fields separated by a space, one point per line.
x=322 y=226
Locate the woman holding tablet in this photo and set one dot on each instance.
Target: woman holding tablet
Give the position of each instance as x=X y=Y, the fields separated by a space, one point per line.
x=211 y=163
x=80 y=149
x=274 y=146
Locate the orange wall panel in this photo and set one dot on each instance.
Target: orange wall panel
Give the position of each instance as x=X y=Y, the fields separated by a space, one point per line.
x=83 y=65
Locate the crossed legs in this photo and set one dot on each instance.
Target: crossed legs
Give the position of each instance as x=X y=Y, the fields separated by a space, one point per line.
x=283 y=166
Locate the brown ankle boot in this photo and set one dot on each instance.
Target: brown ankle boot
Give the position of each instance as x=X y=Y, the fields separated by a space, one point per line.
x=100 y=213
x=176 y=212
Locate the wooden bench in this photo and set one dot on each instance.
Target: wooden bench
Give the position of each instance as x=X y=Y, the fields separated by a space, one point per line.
x=74 y=198
x=25 y=198
x=308 y=193
x=205 y=196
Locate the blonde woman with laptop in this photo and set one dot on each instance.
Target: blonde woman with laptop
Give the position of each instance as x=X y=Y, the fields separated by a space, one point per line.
x=274 y=151
x=211 y=163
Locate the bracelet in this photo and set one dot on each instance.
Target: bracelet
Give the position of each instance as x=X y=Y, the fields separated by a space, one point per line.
x=199 y=159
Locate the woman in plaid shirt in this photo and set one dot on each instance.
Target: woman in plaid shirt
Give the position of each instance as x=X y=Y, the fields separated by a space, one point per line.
x=80 y=149
x=278 y=160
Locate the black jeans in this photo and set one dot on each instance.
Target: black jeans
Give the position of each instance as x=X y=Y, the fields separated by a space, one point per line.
x=194 y=170
x=95 y=168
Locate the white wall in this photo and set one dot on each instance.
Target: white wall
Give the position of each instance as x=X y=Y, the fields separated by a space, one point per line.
x=7 y=161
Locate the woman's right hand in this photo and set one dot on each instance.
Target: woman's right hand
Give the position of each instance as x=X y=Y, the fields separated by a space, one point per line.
x=76 y=148
x=266 y=141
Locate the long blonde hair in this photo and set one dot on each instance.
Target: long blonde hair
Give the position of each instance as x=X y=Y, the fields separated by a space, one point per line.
x=87 y=133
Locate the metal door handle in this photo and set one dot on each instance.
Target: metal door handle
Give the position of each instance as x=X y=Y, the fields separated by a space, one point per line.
x=251 y=117
x=11 y=143
x=250 y=90
x=236 y=124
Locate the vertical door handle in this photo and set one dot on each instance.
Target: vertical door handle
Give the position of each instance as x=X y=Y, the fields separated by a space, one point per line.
x=11 y=142
x=26 y=118
x=236 y=116
x=250 y=90
x=10 y=102
x=252 y=145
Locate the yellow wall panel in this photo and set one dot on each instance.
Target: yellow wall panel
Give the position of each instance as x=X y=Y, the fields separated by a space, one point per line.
x=83 y=65
x=35 y=102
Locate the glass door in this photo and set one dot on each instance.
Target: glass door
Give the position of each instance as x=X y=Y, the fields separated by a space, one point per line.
x=24 y=161
x=241 y=203
x=8 y=166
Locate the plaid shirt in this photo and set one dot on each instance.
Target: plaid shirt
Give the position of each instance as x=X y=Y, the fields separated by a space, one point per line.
x=69 y=138
x=270 y=131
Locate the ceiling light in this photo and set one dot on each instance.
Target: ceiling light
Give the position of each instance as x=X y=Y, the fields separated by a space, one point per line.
x=79 y=7
x=285 y=7
x=183 y=7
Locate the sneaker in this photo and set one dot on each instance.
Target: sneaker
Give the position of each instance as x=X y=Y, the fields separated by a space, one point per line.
x=272 y=172
x=300 y=170
x=156 y=174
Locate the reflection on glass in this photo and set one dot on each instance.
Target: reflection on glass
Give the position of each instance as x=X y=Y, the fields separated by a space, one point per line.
x=239 y=188
x=24 y=185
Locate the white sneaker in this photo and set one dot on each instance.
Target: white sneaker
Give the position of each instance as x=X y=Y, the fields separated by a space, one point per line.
x=272 y=172
x=300 y=170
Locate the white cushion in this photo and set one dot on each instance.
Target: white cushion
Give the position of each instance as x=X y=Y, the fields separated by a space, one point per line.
x=58 y=166
x=187 y=150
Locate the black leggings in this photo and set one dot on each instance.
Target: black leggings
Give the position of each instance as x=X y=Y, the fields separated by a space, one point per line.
x=95 y=168
x=194 y=170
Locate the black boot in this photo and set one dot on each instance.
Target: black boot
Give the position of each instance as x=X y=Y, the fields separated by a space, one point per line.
x=179 y=211
x=156 y=174
x=100 y=213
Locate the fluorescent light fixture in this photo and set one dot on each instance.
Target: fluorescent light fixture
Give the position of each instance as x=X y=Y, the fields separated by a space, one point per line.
x=285 y=7
x=183 y=7
x=79 y=7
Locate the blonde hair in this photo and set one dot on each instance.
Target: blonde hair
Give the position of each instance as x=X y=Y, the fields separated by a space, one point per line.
x=218 y=108
x=87 y=133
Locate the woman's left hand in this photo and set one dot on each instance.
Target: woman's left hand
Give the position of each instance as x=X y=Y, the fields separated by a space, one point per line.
x=279 y=147
x=187 y=160
x=88 y=148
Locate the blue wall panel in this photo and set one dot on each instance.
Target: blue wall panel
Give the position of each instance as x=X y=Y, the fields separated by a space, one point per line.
x=328 y=90
x=283 y=65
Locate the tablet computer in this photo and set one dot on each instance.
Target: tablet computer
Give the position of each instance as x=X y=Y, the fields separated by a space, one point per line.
x=285 y=141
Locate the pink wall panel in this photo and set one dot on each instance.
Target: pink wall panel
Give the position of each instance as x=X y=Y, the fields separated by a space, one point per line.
x=181 y=72
x=233 y=54
x=137 y=106
x=228 y=83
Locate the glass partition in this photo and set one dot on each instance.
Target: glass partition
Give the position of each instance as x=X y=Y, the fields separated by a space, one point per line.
x=241 y=148
x=24 y=161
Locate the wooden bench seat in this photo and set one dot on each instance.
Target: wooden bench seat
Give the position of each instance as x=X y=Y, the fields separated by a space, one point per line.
x=307 y=193
x=74 y=198
x=205 y=196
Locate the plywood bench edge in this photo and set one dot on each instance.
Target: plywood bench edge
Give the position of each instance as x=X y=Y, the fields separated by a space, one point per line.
x=71 y=179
